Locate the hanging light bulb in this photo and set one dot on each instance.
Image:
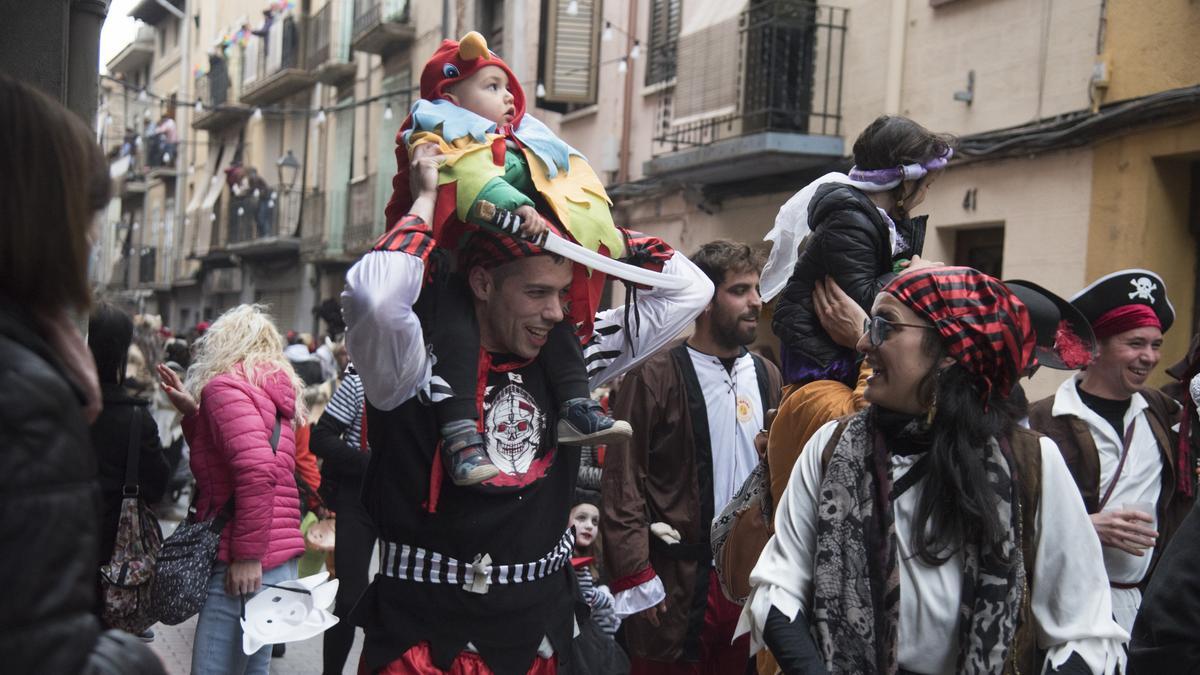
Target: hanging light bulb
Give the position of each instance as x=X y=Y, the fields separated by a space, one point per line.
x=142 y=97
x=387 y=112
x=321 y=116
x=622 y=66
x=241 y=210
x=572 y=8
x=541 y=90
x=607 y=34
x=257 y=116
x=199 y=107
x=166 y=158
x=636 y=51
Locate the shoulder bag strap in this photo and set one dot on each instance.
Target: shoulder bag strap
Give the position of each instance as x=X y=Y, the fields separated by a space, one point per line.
x=1120 y=464
x=133 y=455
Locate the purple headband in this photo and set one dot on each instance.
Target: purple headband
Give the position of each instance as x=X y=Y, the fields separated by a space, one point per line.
x=899 y=174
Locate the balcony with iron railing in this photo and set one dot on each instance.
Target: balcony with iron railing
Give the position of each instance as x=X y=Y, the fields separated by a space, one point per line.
x=146 y=266
x=276 y=68
x=364 y=223
x=212 y=91
x=136 y=55
x=328 y=55
x=382 y=26
x=264 y=223
x=786 y=98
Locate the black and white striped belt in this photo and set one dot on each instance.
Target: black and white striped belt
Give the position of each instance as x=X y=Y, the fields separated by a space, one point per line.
x=413 y=563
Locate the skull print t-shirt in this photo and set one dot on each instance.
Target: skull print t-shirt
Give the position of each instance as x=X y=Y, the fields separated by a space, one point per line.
x=519 y=516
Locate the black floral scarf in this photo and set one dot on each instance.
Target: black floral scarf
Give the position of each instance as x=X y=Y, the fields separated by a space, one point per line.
x=856 y=582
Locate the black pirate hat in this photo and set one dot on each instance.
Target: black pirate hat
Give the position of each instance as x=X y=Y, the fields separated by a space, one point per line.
x=1064 y=337
x=1122 y=289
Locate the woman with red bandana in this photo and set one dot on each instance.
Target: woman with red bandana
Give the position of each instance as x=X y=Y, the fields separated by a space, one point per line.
x=929 y=533
x=1116 y=434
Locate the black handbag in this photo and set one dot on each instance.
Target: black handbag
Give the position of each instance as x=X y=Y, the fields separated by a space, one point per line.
x=125 y=580
x=185 y=562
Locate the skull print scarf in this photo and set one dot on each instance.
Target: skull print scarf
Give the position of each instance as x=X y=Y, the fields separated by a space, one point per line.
x=856 y=603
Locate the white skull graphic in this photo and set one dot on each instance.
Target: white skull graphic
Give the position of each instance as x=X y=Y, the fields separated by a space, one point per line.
x=1143 y=289
x=514 y=430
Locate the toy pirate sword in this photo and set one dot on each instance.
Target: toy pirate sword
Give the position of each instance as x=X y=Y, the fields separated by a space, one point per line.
x=510 y=223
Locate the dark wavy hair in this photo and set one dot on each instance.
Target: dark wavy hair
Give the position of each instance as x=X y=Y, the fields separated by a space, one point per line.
x=953 y=507
x=720 y=257
x=891 y=141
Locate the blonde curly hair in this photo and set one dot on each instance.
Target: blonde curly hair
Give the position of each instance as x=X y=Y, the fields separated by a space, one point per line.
x=245 y=343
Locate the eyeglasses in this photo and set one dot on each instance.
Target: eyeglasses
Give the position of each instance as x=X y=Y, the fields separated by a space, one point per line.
x=877 y=329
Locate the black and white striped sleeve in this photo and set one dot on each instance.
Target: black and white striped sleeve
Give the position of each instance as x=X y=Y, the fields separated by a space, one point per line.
x=660 y=317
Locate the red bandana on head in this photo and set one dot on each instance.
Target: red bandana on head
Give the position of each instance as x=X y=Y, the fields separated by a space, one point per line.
x=984 y=326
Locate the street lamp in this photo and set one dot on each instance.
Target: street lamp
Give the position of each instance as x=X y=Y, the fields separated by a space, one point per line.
x=289 y=169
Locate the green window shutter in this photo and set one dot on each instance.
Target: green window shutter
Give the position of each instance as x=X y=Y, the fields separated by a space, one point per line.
x=664 y=41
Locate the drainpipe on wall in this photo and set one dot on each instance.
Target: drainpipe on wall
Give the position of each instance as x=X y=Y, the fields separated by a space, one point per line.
x=627 y=106
x=897 y=36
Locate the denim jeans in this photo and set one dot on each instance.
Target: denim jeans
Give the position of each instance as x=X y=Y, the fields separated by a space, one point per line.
x=217 y=647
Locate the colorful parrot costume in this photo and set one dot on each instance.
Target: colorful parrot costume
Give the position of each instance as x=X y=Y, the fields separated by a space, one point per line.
x=521 y=163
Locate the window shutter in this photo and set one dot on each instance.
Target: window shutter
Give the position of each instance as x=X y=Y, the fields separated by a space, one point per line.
x=572 y=52
x=664 y=41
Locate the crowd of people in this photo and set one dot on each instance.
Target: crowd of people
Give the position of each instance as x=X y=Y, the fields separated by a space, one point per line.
x=882 y=499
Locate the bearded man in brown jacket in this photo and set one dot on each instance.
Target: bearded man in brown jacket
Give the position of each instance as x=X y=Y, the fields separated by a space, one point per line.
x=695 y=410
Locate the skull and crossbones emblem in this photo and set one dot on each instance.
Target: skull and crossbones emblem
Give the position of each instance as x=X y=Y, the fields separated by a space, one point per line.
x=1143 y=289
x=514 y=429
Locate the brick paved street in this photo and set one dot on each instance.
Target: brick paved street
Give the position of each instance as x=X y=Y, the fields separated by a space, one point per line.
x=173 y=644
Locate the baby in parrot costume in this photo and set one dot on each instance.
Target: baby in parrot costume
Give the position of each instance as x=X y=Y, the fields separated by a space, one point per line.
x=473 y=109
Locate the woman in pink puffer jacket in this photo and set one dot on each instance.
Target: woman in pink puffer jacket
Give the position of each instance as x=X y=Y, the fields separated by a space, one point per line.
x=243 y=384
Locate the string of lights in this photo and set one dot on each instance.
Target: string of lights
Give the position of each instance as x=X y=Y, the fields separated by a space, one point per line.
x=144 y=95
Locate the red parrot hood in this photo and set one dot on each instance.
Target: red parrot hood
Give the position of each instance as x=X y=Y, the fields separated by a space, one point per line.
x=457 y=60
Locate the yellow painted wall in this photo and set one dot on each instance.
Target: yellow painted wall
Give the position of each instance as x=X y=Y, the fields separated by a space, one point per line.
x=1140 y=193
x=1150 y=45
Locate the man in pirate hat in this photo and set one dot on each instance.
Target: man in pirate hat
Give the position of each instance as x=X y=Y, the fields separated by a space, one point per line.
x=1116 y=434
x=477 y=578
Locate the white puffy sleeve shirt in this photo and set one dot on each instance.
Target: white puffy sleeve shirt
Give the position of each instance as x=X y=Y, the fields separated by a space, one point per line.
x=1070 y=603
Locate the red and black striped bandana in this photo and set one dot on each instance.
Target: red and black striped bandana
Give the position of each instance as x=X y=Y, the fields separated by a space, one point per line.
x=983 y=325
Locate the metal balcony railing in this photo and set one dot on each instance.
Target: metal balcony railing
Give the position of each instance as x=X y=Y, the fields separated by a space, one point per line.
x=371 y=23
x=272 y=213
x=364 y=224
x=146 y=265
x=790 y=76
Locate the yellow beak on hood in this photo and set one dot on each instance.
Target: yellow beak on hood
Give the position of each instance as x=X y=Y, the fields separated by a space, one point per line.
x=472 y=46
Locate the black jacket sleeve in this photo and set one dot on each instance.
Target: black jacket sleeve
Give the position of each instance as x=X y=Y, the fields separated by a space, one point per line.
x=153 y=470
x=339 y=456
x=848 y=239
x=792 y=645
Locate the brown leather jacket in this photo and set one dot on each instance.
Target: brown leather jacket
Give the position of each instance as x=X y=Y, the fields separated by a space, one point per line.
x=1075 y=441
x=664 y=474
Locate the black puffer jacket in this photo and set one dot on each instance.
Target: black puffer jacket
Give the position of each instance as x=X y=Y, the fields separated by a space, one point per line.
x=849 y=242
x=110 y=439
x=49 y=507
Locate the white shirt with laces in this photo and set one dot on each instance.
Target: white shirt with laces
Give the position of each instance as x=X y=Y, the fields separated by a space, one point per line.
x=1071 y=616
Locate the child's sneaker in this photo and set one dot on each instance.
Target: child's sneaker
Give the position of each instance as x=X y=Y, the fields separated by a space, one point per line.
x=583 y=421
x=466 y=460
